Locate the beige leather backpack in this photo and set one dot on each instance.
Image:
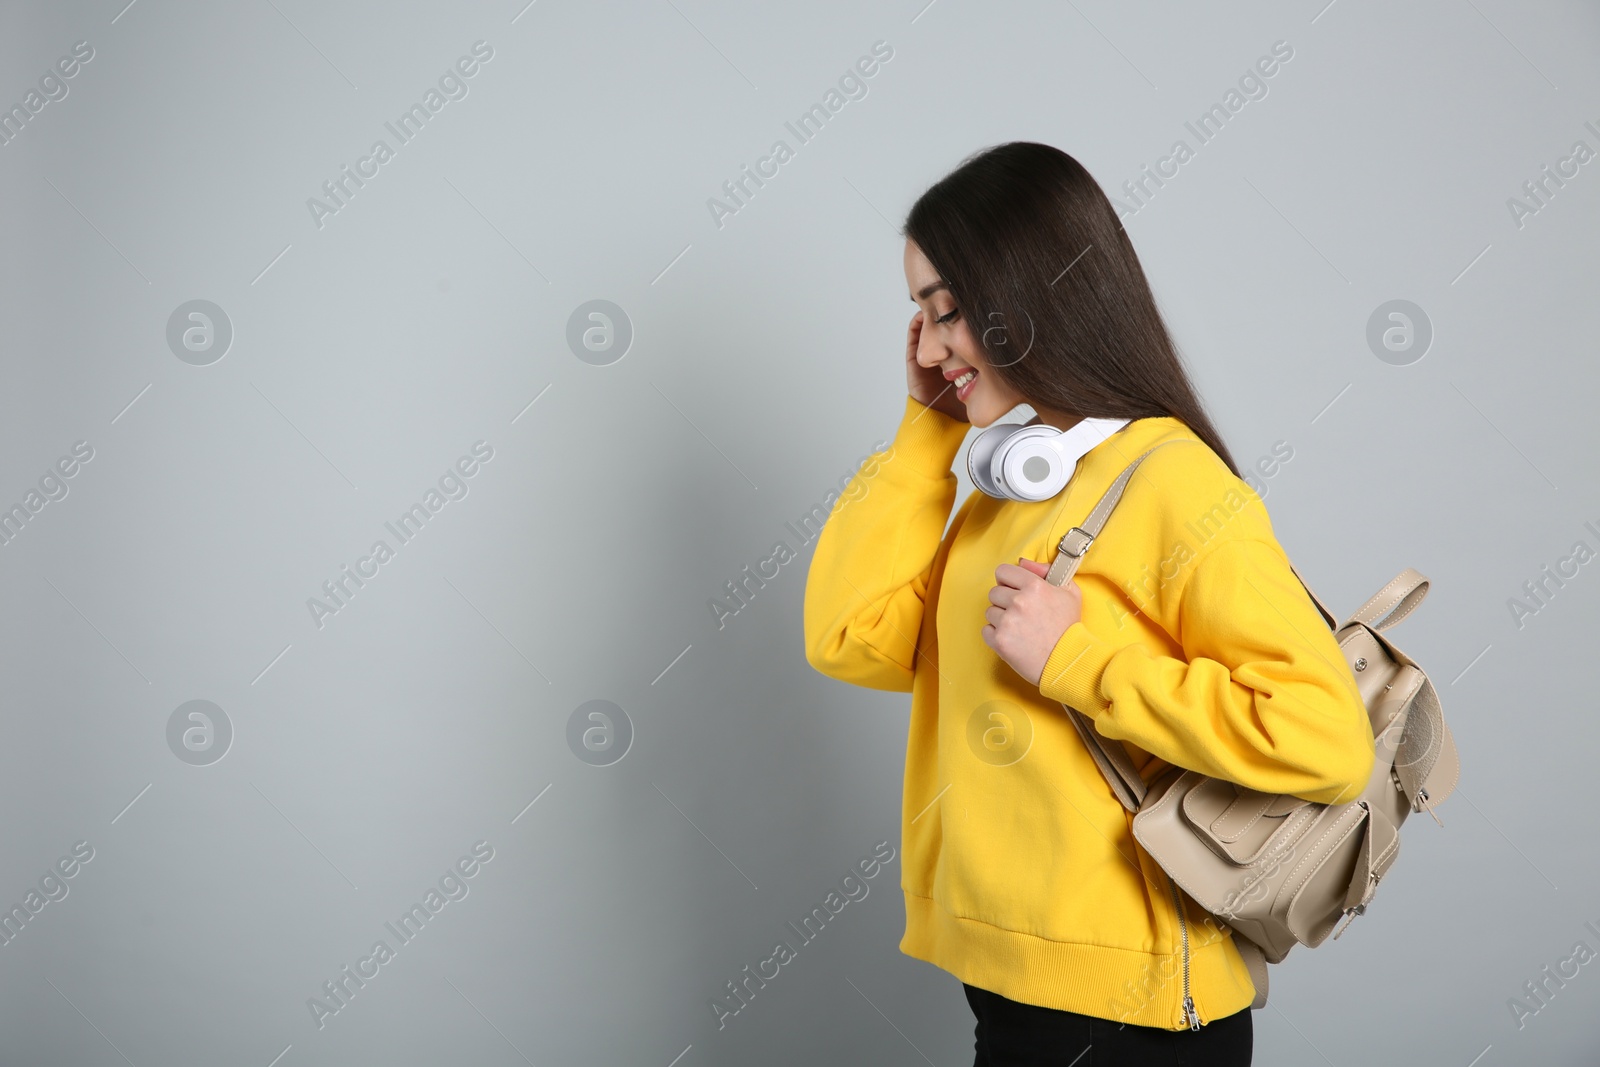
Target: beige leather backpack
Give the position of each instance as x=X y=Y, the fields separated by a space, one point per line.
x=1281 y=871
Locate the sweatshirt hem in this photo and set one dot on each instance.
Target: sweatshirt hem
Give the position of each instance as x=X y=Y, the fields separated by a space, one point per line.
x=1131 y=986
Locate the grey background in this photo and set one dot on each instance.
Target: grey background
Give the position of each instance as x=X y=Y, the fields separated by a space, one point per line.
x=369 y=354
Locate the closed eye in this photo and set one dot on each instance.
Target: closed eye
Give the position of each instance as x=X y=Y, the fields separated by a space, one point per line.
x=948 y=318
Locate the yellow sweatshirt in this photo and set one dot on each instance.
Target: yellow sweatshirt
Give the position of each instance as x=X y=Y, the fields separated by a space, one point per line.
x=1198 y=647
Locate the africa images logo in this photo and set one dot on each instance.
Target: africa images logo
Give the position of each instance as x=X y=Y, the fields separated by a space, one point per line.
x=852 y=85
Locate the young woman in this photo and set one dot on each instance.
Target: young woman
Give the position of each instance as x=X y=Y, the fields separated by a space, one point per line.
x=1184 y=635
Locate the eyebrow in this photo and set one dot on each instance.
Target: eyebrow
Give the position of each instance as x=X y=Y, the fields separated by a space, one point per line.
x=929 y=289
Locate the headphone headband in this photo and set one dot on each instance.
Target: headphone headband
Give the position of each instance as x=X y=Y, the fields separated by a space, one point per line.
x=1030 y=462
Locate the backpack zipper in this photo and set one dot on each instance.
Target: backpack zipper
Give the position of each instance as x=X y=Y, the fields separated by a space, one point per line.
x=1190 y=1015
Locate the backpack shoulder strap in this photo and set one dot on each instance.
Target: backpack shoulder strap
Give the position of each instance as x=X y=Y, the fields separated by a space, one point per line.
x=1255 y=962
x=1327 y=616
x=1113 y=760
x=1076 y=541
x=1405 y=592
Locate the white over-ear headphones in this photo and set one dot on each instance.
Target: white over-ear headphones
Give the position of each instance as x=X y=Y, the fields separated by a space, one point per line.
x=1032 y=462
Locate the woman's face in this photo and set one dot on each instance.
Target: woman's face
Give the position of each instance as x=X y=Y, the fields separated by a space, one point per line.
x=948 y=346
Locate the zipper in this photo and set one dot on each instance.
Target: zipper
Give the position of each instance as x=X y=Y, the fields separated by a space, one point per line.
x=1190 y=1015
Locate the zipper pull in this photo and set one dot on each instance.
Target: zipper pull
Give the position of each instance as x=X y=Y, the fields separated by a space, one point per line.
x=1422 y=799
x=1349 y=917
x=1190 y=1016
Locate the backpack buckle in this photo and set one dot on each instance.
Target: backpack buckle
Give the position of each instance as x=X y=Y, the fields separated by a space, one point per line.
x=1076 y=547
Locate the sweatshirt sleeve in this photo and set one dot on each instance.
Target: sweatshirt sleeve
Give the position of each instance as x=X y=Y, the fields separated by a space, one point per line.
x=869 y=575
x=1265 y=698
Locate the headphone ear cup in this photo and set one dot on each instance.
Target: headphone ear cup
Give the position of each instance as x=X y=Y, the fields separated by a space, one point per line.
x=980 y=457
x=1030 y=466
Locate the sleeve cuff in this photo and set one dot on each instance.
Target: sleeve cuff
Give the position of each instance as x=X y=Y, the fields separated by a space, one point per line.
x=1073 y=671
x=927 y=440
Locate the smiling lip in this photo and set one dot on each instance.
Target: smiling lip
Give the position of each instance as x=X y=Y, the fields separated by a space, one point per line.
x=964 y=391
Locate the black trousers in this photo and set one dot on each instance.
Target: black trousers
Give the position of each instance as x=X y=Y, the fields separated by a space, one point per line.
x=1010 y=1034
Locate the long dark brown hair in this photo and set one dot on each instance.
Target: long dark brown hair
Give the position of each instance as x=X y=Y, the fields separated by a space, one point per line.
x=1052 y=289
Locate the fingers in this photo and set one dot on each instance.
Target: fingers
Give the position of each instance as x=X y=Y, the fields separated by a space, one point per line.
x=1009 y=574
x=913 y=342
x=1035 y=566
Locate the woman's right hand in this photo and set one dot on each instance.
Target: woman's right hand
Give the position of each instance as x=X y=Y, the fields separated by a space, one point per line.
x=926 y=384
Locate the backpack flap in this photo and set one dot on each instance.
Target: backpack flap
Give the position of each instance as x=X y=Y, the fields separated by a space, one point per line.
x=1322 y=879
x=1241 y=824
x=1441 y=781
x=1320 y=891
x=1380 y=844
x=1426 y=762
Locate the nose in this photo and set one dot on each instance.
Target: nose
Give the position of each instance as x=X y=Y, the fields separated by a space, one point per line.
x=930 y=353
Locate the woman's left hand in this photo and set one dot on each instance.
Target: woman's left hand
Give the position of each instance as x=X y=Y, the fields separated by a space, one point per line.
x=1029 y=615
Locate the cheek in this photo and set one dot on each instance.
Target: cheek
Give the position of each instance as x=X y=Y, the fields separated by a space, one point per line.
x=967 y=346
